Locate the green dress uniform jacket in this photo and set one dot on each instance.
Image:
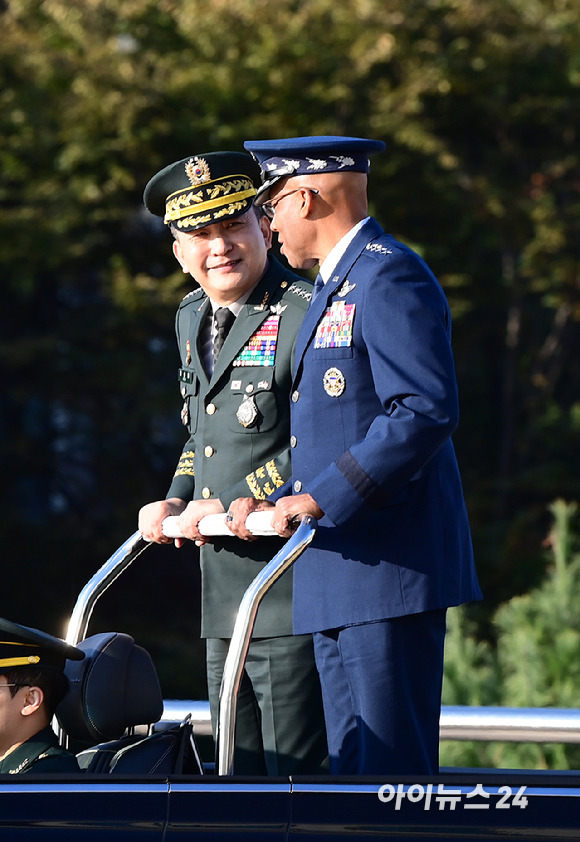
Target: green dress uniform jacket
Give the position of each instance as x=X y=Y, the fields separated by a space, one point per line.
x=239 y=420
x=41 y=753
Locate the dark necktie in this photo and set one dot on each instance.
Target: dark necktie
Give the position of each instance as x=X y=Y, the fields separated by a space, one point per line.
x=318 y=287
x=224 y=319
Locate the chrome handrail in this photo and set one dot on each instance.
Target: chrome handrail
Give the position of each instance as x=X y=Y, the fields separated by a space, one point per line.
x=212 y=525
x=135 y=545
x=515 y=725
x=98 y=584
x=240 y=641
x=458 y=722
x=561 y=725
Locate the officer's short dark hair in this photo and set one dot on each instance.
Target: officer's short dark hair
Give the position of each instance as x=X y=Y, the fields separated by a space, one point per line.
x=52 y=682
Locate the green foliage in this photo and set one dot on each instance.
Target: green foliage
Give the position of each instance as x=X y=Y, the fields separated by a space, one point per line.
x=539 y=633
x=470 y=665
x=475 y=101
x=536 y=661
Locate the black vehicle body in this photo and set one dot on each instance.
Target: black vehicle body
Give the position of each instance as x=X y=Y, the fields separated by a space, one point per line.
x=457 y=804
x=209 y=807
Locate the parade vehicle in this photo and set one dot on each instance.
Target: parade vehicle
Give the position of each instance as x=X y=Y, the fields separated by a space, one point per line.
x=155 y=785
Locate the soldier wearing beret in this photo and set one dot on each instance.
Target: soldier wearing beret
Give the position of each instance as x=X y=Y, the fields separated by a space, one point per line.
x=32 y=683
x=374 y=405
x=235 y=382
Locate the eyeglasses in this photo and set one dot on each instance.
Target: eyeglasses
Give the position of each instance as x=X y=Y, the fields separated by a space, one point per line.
x=12 y=685
x=269 y=208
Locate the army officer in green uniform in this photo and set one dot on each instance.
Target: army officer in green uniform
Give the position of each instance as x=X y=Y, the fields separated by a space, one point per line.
x=32 y=683
x=236 y=332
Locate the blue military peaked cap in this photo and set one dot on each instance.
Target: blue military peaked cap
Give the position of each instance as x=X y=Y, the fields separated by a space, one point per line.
x=203 y=189
x=21 y=646
x=287 y=157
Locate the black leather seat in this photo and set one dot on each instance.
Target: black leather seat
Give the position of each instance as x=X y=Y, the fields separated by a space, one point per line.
x=113 y=690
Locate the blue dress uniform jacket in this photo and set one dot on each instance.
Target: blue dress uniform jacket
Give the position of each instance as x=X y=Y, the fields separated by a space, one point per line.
x=374 y=405
x=225 y=459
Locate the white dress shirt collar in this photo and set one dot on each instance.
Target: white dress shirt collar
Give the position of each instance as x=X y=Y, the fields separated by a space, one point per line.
x=332 y=258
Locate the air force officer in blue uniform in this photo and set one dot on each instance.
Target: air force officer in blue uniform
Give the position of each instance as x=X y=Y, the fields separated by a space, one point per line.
x=373 y=407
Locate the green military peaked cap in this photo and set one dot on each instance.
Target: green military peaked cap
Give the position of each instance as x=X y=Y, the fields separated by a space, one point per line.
x=203 y=189
x=21 y=646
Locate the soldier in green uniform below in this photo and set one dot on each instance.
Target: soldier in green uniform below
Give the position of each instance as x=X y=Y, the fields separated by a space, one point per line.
x=32 y=683
x=236 y=334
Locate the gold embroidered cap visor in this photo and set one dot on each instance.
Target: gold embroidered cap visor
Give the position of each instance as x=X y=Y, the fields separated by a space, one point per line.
x=23 y=646
x=203 y=189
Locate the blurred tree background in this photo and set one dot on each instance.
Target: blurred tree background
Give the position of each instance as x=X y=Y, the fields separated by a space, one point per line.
x=534 y=661
x=477 y=101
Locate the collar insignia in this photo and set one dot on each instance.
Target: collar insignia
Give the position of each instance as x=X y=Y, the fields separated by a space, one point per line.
x=345 y=288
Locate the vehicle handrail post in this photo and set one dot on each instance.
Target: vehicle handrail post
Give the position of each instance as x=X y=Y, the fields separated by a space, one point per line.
x=242 y=633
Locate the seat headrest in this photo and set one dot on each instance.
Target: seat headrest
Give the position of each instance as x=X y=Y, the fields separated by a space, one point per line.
x=114 y=688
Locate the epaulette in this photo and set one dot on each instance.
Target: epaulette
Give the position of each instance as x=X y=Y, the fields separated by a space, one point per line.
x=293 y=291
x=303 y=291
x=377 y=248
x=297 y=291
x=195 y=295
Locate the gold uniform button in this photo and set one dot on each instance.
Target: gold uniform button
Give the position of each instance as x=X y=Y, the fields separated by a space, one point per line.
x=210 y=408
x=297 y=486
x=295 y=396
x=209 y=451
x=293 y=441
x=205 y=493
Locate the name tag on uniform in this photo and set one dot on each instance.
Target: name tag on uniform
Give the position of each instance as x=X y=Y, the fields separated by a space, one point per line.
x=335 y=329
x=261 y=348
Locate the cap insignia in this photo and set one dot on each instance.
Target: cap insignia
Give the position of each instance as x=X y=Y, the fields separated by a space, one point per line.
x=317 y=163
x=342 y=161
x=197 y=171
x=222 y=199
x=288 y=166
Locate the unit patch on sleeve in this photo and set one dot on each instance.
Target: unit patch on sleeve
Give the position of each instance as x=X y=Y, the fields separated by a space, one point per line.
x=261 y=348
x=335 y=329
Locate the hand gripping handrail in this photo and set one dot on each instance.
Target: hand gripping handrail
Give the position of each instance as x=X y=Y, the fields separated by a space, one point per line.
x=259 y=524
x=241 y=635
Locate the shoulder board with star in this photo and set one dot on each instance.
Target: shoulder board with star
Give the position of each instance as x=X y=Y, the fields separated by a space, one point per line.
x=378 y=248
x=296 y=291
